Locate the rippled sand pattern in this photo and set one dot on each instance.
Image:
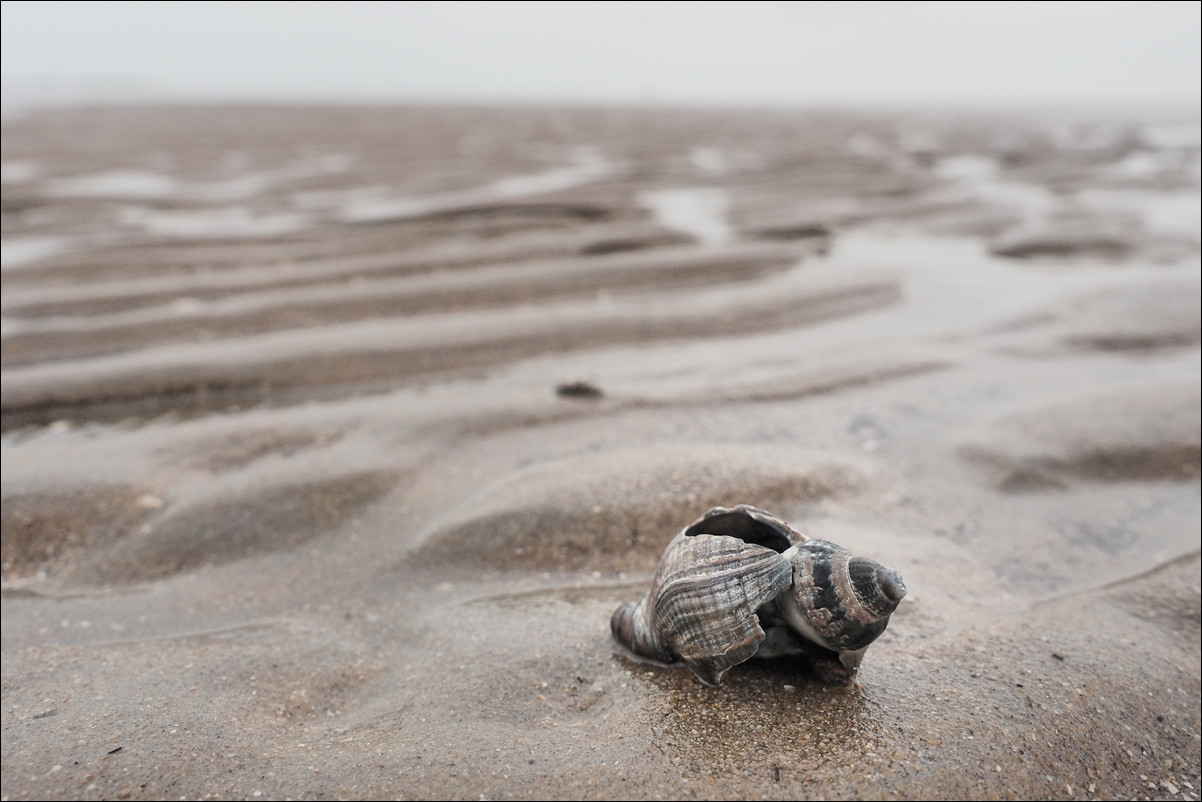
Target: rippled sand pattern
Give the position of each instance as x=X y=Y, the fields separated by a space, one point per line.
x=332 y=437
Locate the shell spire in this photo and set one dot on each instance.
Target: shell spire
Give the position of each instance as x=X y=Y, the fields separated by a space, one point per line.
x=839 y=601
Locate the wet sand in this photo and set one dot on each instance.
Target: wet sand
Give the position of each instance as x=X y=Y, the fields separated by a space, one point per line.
x=292 y=507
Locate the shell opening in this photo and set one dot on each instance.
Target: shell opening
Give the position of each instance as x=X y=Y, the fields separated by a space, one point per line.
x=741 y=524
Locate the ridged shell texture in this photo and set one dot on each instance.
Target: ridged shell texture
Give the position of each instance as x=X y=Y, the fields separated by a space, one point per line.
x=719 y=575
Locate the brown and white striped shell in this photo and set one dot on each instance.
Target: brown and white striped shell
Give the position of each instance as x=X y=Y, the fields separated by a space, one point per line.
x=740 y=582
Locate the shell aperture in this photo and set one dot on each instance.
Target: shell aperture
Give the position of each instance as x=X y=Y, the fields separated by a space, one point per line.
x=735 y=572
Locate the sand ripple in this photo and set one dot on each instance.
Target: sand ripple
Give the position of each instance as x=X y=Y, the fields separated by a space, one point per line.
x=292 y=507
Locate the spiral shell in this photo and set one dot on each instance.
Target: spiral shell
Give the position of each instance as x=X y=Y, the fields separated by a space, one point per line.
x=734 y=571
x=836 y=600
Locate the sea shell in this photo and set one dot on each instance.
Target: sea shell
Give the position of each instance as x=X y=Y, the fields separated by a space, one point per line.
x=740 y=583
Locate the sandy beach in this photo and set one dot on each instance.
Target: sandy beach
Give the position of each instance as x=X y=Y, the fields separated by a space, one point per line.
x=332 y=437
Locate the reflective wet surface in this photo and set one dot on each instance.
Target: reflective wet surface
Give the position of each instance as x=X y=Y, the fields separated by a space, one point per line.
x=292 y=507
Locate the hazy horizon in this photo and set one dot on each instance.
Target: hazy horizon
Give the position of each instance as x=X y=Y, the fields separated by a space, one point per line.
x=711 y=54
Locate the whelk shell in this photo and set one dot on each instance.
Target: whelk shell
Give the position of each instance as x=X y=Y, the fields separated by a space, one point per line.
x=740 y=582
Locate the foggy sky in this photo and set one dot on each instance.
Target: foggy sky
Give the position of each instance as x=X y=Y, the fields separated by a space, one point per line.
x=682 y=53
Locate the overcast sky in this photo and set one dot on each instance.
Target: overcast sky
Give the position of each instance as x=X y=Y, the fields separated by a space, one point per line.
x=551 y=52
